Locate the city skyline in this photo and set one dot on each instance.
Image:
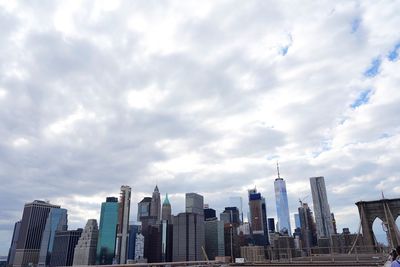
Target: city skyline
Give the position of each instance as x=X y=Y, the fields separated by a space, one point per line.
x=199 y=98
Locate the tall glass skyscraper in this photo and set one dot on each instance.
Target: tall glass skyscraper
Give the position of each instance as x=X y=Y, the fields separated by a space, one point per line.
x=31 y=231
x=56 y=221
x=107 y=231
x=322 y=212
x=282 y=206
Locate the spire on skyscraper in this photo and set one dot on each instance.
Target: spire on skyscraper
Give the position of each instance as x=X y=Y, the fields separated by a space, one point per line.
x=166 y=200
x=277 y=168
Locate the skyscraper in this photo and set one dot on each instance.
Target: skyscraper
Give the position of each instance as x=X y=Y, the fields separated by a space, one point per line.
x=166 y=210
x=237 y=202
x=321 y=207
x=155 y=208
x=107 y=231
x=85 y=249
x=194 y=203
x=30 y=235
x=13 y=247
x=123 y=224
x=256 y=216
x=214 y=238
x=188 y=230
x=64 y=247
x=308 y=227
x=282 y=206
x=133 y=230
x=144 y=208
x=56 y=221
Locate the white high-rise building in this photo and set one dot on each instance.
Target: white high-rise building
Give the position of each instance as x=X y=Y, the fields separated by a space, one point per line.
x=123 y=225
x=85 y=250
x=282 y=206
x=322 y=211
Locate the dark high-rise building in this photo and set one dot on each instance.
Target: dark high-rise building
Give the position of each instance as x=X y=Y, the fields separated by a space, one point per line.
x=194 y=203
x=64 y=247
x=188 y=237
x=256 y=219
x=13 y=247
x=322 y=211
x=107 y=231
x=271 y=225
x=214 y=238
x=166 y=210
x=155 y=207
x=133 y=231
x=144 y=208
x=308 y=227
x=233 y=214
x=209 y=214
x=31 y=231
x=56 y=221
x=188 y=230
x=123 y=225
x=166 y=240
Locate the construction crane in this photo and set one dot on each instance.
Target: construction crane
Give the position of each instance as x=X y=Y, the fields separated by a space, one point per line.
x=301 y=200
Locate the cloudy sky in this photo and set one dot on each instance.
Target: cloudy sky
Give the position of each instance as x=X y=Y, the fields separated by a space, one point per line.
x=197 y=96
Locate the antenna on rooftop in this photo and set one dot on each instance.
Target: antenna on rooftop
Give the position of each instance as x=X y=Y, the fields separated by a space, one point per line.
x=277 y=168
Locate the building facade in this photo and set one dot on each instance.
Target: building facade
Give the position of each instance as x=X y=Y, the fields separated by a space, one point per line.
x=282 y=206
x=31 y=231
x=85 y=249
x=56 y=221
x=123 y=225
x=155 y=207
x=322 y=211
x=13 y=246
x=214 y=238
x=107 y=231
x=194 y=203
x=166 y=210
x=188 y=237
x=144 y=208
x=64 y=247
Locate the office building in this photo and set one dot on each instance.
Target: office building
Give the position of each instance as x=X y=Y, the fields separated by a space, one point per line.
x=107 y=231
x=322 y=211
x=166 y=210
x=271 y=225
x=308 y=227
x=133 y=231
x=209 y=214
x=64 y=247
x=139 y=247
x=256 y=214
x=194 y=203
x=214 y=238
x=188 y=237
x=123 y=225
x=238 y=203
x=232 y=215
x=13 y=246
x=166 y=240
x=85 y=249
x=188 y=230
x=31 y=231
x=144 y=208
x=282 y=206
x=56 y=221
x=155 y=207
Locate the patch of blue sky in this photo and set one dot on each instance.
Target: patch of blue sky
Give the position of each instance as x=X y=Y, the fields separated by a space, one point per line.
x=355 y=24
x=362 y=99
x=373 y=70
x=284 y=50
x=394 y=54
